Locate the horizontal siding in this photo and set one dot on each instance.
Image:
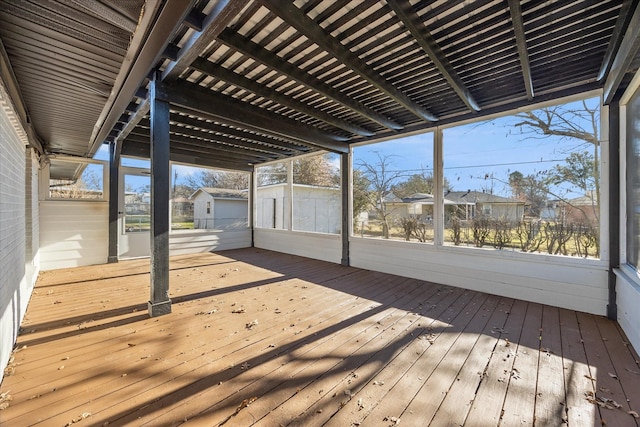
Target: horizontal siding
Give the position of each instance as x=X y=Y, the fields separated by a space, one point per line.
x=192 y=241
x=628 y=300
x=570 y=283
x=325 y=247
x=73 y=233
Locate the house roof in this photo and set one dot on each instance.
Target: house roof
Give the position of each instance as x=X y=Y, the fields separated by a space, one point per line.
x=586 y=200
x=479 y=197
x=250 y=81
x=222 y=193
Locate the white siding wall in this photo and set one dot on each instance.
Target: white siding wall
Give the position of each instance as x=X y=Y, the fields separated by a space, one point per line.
x=201 y=219
x=564 y=282
x=271 y=202
x=628 y=299
x=17 y=267
x=230 y=214
x=325 y=247
x=73 y=233
x=195 y=241
x=316 y=209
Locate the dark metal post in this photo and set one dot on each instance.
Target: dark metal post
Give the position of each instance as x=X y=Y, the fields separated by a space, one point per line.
x=252 y=204
x=614 y=205
x=159 y=303
x=345 y=172
x=114 y=184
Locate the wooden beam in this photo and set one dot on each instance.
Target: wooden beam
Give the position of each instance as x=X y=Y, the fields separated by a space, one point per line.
x=404 y=11
x=222 y=14
x=235 y=112
x=138 y=149
x=221 y=141
x=159 y=22
x=521 y=42
x=228 y=76
x=300 y=21
x=159 y=302
x=260 y=138
x=204 y=148
x=624 y=57
x=257 y=52
x=624 y=17
x=134 y=119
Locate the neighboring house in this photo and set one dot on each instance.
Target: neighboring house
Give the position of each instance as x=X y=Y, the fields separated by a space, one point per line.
x=478 y=203
x=418 y=205
x=136 y=203
x=182 y=207
x=220 y=208
x=580 y=209
x=315 y=208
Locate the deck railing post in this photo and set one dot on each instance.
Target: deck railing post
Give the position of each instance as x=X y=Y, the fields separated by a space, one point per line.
x=159 y=303
x=345 y=186
x=114 y=183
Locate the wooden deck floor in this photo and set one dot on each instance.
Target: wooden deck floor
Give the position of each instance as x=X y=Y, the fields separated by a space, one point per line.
x=262 y=338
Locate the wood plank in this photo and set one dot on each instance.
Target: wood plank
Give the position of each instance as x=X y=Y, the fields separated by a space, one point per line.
x=519 y=403
x=460 y=397
x=405 y=390
x=422 y=352
x=439 y=384
x=576 y=372
x=624 y=359
x=606 y=386
x=329 y=403
x=486 y=408
x=176 y=360
x=550 y=394
x=324 y=363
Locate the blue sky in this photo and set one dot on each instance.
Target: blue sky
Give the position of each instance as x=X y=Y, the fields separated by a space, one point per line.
x=478 y=156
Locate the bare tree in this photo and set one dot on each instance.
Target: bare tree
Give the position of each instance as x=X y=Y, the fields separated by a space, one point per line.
x=381 y=179
x=217 y=179
x=575 y=122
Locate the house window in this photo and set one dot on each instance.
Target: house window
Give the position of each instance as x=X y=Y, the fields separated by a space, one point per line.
x=75 y=180
x=393 y=188
x=208 y=207
x=633 y=180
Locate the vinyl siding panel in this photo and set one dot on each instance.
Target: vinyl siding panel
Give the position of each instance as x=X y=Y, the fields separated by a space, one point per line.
x=563 y=282
x=73 y=233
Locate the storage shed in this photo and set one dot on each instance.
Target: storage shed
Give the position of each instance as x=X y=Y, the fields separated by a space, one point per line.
x=220 y=208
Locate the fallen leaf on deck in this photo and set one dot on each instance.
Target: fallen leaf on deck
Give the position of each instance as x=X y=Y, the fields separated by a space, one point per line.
x=239 y=310
x=5 y=398
x=614 y=376
x=252 y=324
x=244 y=404
x=634 y=414
x=79 y=418
x=394 y=420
